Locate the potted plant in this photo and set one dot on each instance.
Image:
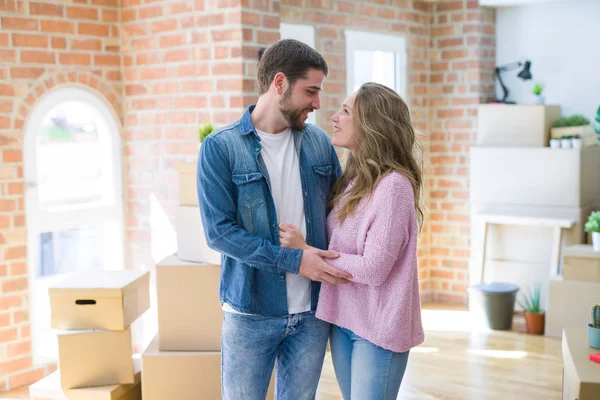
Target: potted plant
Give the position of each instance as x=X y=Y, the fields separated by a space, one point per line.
x=576 y=142
x=570 y=126
x=537 y=91
x=593 y=225
x=555 y=143
x=565 y=142
x=204 y=131
x=594 y=328
x=534 y=315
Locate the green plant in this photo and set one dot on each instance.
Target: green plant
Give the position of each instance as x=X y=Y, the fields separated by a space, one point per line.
x=205 y=130
x=596 y=316
x=598 y=120
x=537 y=88
x=573 y=120
x=531 y=301
x=593 y=222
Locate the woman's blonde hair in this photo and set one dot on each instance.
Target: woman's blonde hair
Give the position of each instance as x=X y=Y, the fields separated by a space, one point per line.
x=386 y=142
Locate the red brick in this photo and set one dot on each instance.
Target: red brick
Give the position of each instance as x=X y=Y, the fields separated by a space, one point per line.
x=15 y=365
x=59 y=43
x=18 y=349
x=150 y=12
x=19 y=24
x=7 y=335
x=8 y=56
x=23 y=40
x=110 y=15
x=52 y=26
x=92 y=29
x=82 y=13
x=15 y=253
x=27 y=377
x=74 y=59
x=106 y=60
x=37 y=57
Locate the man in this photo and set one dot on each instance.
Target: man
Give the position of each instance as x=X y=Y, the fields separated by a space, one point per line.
x=265 y=169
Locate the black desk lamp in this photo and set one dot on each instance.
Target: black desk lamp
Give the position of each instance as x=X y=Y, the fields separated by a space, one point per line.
x=525 y=74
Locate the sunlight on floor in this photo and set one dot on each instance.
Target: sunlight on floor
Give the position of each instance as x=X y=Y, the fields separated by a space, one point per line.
x=498 y=353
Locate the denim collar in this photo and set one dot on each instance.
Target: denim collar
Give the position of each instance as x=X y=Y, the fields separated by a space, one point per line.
x=246 y=121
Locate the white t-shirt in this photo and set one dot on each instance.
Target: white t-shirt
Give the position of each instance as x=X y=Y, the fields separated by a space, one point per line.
x=280 y=157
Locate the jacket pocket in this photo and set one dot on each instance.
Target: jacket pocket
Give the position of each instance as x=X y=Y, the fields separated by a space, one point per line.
x=250 y=198
x=323 y=175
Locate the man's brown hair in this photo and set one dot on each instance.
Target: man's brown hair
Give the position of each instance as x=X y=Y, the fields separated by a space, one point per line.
x=291 y=57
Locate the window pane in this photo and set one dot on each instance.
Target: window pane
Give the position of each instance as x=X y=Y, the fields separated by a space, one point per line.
x=72 y=156
x=80 y=248
x=374 y=66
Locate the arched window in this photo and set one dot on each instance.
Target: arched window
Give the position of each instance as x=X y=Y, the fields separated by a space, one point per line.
x=74 y=198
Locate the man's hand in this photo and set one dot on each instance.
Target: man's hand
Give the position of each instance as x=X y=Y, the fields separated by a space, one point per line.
x=314 y=268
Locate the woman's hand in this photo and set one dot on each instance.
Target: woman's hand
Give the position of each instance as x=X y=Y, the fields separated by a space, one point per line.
x=291 y=237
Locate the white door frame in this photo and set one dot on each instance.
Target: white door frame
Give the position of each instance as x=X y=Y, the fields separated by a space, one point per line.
x=39 y=221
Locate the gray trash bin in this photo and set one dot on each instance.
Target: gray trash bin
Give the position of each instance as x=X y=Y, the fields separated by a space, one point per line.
x=493 y=304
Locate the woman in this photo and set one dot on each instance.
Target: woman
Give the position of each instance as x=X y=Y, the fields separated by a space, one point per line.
x=374 y=226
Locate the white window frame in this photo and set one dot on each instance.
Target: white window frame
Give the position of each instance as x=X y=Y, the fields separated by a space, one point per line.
x=360 y=40
x=304 y=34
x=43 y=221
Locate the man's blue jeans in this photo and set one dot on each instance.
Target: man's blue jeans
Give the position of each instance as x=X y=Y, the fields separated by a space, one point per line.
x=364 y=370
x=251 y=345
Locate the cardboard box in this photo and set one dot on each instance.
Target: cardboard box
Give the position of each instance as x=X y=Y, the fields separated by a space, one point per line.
x=188 y=195
x=182 y=375
x=95 y=358
x=49 y=388
x=535 y=176
x=189 y=311
x=109 y=300
x=512 y=125
x=191 y=244
x=569 y=304
x=581 y=377
x=581 y=263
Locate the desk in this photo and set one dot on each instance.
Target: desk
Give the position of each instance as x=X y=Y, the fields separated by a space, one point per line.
x=506 y=218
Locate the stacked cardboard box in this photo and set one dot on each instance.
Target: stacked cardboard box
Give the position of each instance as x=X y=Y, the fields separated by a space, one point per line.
x=572 y=295
x=191 y=244
x=93 y=311
x=184 y=360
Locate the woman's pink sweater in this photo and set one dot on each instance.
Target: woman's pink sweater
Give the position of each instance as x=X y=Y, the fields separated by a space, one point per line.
x=378 y=247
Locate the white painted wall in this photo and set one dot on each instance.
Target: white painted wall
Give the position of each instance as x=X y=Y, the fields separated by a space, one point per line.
x=562 y=40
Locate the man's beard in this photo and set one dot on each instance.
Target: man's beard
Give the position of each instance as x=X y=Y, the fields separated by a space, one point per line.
x=292 y=116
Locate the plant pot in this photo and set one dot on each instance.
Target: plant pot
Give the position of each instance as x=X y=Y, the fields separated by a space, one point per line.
x=596 y=241
x=540 y=100
x=594 y=336
x=577 y=143
x=534 y=323
x=555 y=143
x=565 y=143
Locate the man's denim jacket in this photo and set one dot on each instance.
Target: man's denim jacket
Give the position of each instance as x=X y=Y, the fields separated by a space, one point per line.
x=239 y=218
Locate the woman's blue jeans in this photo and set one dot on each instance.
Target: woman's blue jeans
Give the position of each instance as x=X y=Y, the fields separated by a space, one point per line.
x=364 y=370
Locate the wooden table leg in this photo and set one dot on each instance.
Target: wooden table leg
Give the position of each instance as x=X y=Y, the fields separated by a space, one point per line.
x=483 y=251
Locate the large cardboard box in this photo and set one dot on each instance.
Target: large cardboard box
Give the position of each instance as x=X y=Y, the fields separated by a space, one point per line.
x=189 y=311
x=512 y=125
x=188 y=196
x=581 y=377
x=95 y=358
x=191 y=244
x=109 y=300
x=581 y=263
x=182 y=375
x=569 y=304
x=49 y=388
x=535 y=176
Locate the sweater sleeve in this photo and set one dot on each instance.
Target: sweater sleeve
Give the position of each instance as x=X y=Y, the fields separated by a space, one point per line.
x=392 y=212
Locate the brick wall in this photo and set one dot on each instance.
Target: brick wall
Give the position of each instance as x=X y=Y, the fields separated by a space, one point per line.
x=167 y=66
x=43 y=45
x=462 y=60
